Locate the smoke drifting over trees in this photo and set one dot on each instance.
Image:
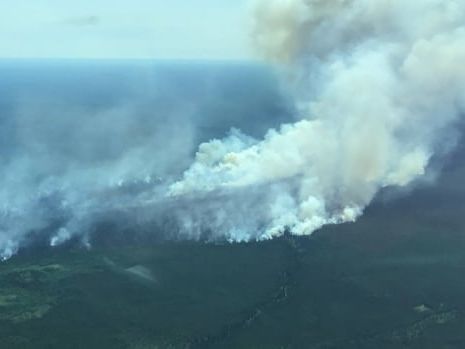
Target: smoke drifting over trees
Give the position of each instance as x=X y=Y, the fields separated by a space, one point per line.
x=380 y=85
x=378 y=88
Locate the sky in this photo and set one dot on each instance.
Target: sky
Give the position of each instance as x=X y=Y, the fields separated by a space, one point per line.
x=123 y=29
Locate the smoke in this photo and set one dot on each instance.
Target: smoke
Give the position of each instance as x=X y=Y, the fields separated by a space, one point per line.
x=67 y=167
x=88 y=149
x=379 y=86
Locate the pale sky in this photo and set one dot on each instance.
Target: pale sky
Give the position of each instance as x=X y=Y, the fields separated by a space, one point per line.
x=161 y=29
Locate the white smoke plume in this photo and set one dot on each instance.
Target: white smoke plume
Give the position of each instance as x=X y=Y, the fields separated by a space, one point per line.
x=65 y=171
x=380 y=84
x=88 y=156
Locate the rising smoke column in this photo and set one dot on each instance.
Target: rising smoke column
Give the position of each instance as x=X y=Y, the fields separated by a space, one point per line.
x=380 y=84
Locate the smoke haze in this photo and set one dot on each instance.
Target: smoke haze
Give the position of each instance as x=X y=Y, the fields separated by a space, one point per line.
x=377 y=88
x=86 y=144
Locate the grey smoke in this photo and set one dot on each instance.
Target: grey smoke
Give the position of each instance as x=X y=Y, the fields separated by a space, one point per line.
x=86 y=143
x=68 y=165
x=379 y=85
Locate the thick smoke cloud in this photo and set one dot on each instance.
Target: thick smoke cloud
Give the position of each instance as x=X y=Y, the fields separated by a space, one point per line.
x=68 y=167
x=89 y=148
x=379 y=85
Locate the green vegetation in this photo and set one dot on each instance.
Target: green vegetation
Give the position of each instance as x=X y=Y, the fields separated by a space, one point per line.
x=334 y=290
x=393 y=280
